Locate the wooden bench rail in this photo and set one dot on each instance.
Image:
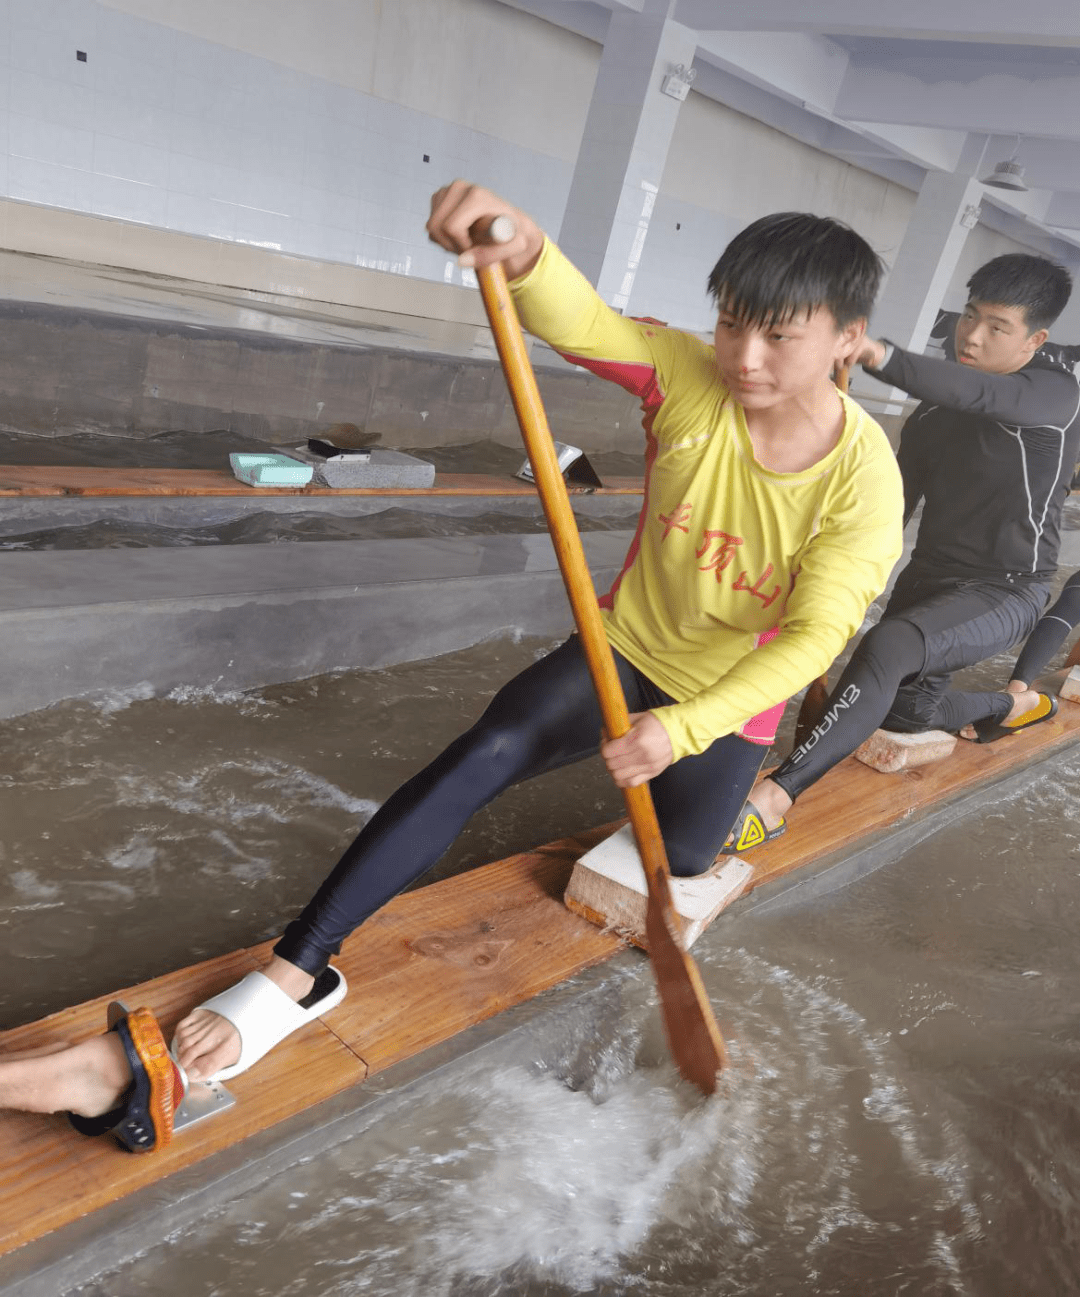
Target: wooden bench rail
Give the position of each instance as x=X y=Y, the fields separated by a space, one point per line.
x=31 y=480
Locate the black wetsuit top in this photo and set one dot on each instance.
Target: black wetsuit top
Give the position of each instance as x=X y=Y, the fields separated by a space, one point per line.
x=993 y=456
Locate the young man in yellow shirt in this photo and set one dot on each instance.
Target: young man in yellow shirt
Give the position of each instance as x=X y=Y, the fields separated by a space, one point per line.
x=771 y=519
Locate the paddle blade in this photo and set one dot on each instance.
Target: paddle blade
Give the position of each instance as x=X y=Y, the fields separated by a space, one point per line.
x=1074 y=656
x=693 y=1036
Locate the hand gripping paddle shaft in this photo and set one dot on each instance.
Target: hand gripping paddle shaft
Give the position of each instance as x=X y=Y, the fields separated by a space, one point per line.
x=694 y=1038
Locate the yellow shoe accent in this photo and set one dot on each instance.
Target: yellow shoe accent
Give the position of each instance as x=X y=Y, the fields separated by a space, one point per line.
x=1044 y=707
x=752 y=834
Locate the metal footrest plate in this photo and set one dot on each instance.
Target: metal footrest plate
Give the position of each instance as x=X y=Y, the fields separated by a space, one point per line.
x=203 y=1100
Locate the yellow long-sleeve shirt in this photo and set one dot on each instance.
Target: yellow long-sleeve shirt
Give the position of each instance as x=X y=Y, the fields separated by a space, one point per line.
x=741 y=585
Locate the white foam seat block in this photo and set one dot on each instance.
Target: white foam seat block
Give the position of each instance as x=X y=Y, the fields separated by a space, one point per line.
x=608 y=887
x=890 y=752
x=1070 y=686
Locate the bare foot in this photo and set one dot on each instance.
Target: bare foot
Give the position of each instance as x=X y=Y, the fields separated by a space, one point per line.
x=87 y=1078
x=1025 y=699
x=100 y=1073
x=205 y=1042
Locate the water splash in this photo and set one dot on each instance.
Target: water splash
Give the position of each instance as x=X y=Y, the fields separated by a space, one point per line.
x=512 y=1180
x=108 y=702
x=274 y=791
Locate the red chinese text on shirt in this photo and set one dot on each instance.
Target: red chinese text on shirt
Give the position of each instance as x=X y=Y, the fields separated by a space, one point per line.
x=755 y=589
x=726 y=547
x=725 y=550
x=675 y=520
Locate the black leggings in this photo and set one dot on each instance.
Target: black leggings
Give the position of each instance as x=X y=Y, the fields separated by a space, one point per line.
x=544 y=718
x=1054 y=628
x=898 y=676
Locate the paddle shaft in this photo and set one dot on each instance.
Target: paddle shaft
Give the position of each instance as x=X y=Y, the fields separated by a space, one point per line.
x=694 y=1038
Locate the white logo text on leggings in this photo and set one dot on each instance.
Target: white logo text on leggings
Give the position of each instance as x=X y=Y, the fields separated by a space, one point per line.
x=849 y=697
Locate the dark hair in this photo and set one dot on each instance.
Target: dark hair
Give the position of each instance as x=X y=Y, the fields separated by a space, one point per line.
x=791 y=262
x=1038 y=286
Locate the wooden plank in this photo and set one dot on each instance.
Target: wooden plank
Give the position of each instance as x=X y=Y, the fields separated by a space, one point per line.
x=50 y=1176
x=34 y=480
x=429 y=965
x=432 y=963
x=853 y=801
x=436 y=961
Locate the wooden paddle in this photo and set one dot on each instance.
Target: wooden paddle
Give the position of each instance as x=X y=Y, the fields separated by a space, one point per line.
x=693 y=1036
x=812 y=708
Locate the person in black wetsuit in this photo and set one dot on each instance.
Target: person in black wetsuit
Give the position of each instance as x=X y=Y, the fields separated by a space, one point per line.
x=990 y=453
x=1058 y=622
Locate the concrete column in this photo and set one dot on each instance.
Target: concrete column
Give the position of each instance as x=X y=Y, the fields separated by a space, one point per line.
x=946 y=212
x=627 y=135
x=944 y=215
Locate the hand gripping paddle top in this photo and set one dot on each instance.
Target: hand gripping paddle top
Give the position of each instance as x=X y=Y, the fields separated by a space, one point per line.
x=693 y=1036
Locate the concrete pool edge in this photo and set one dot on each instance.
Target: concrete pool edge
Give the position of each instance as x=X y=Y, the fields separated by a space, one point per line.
x=38 y=513
x=238 y=617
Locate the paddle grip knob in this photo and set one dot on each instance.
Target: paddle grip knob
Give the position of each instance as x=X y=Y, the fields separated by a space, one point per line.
x=501 y=230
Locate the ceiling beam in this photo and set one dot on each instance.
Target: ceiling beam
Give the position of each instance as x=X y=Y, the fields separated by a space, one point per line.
x=806 y=70
x=792 y=119
x=997 y=105
x=1004 y=22
x=1064 y=211
x=579 y=16
x=928 y=147
x=1061 y=244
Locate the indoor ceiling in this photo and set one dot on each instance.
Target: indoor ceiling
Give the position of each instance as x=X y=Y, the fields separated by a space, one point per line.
x=899 y=89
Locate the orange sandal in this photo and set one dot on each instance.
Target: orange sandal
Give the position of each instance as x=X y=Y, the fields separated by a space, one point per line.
x=143 y=1120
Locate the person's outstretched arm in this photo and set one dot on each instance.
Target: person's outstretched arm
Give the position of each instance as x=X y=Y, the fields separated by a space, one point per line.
x=1030 y=398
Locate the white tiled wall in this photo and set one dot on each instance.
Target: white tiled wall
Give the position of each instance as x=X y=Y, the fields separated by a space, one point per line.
x=684 y=243
x=166 y=129
x=172 y=130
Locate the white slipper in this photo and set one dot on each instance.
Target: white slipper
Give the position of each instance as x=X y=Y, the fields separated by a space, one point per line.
x=264 y=1015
